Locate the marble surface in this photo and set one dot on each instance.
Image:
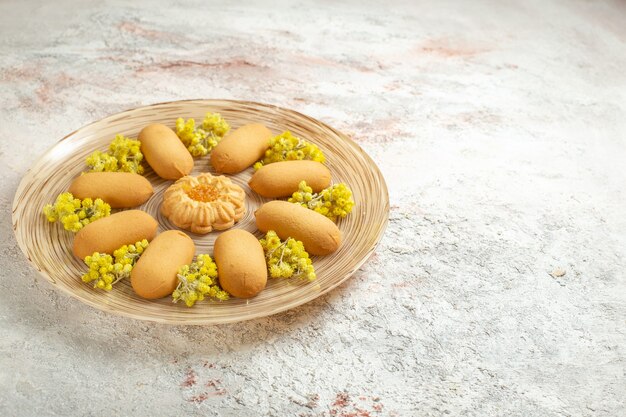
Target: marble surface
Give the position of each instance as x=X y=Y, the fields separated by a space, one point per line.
x=500 y=285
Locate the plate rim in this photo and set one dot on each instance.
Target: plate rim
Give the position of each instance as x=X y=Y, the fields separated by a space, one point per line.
x=27 y=177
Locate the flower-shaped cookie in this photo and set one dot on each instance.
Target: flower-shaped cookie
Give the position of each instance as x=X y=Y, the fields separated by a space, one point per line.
x=204 y=203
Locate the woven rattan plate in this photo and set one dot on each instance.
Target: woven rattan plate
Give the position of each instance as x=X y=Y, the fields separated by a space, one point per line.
x=48 y=246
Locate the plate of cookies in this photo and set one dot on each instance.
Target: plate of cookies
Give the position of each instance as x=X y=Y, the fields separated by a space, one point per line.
x=201 y=211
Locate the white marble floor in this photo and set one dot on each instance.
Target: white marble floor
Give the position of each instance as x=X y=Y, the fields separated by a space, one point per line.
x=500 y=127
